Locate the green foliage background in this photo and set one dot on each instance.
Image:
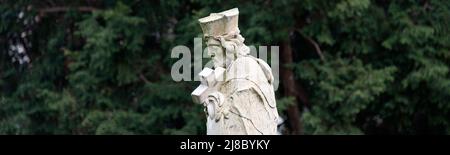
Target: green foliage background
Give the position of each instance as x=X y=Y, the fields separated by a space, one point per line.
x=385 y=68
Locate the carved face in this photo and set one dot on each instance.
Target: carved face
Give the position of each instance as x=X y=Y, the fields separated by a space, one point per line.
x=217 y=54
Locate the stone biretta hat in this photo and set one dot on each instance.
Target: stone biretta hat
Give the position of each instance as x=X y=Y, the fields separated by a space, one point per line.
x=218 y=24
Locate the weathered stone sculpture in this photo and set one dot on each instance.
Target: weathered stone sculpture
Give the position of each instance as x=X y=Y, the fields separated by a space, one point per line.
x=238 y=94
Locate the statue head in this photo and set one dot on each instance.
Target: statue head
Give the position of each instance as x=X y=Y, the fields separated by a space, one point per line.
x=217 y=52
x=223 y=40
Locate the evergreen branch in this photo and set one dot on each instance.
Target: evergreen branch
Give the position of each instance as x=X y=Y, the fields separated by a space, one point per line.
x=317 y=47
x=143 y=78
x=65 y=9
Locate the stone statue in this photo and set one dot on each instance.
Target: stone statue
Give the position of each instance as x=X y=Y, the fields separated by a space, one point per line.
x=238 y=95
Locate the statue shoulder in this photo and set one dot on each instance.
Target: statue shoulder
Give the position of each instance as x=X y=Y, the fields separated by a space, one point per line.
x=250 y=65
x=246 y=60
x=242 y=68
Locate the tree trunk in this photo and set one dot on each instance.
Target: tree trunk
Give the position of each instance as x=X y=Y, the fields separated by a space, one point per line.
x=290 y=88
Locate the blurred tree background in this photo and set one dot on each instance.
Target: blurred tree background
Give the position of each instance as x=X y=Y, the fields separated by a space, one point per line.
x=103 y=66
